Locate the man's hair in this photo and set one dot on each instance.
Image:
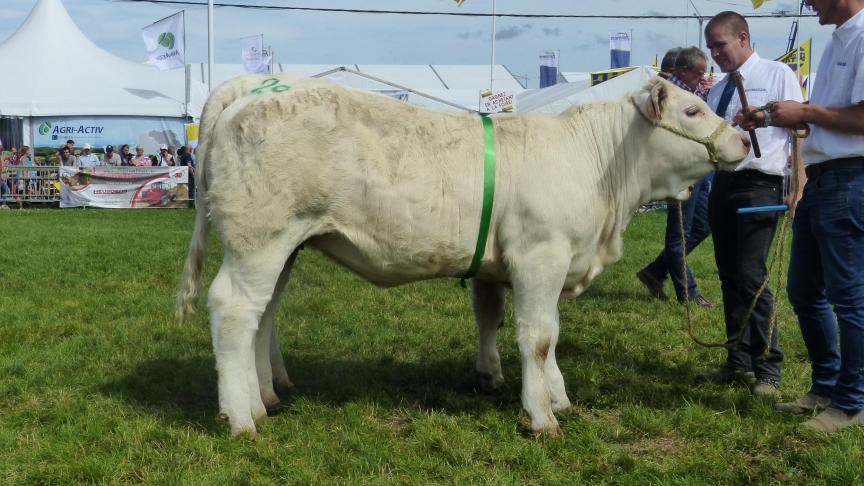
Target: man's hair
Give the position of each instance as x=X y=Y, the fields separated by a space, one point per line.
x=668 y=62
x=688 y=57
x=732 y=21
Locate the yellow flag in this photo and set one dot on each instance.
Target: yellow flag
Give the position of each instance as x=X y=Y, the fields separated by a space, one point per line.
x=459 y=2
x=758 y=3
x=798 y=61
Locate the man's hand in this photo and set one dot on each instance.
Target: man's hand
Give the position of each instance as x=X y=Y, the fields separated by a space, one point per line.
x=749 y=119
x=788 y=114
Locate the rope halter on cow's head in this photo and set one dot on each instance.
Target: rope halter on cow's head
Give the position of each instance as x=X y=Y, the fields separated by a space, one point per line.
x=709 y=142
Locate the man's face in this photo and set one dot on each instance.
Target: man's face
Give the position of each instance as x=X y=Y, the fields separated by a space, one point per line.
x=826 y=10
x=71 y=145
x=728 y=50
x=65 y=152
x=691 y=76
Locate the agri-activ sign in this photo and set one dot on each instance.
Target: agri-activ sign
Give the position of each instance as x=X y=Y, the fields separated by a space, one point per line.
x=99 y=131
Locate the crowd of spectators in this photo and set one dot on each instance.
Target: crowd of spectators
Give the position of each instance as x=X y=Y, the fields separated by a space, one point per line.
x=19 y=174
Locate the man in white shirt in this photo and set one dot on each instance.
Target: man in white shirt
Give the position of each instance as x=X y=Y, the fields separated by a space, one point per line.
x=826 y=269
x=742 y=242
x=88 y=158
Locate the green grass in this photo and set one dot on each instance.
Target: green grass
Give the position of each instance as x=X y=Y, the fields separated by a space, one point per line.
x=97 y=385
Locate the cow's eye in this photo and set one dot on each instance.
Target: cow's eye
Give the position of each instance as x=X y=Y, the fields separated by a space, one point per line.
x=693 y=111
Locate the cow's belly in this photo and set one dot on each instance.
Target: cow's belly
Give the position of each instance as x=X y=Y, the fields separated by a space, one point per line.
x=385 y=265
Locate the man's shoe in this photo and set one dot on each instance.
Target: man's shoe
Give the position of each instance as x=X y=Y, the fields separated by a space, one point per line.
x=765 y=388
x=834 y=420
x=724 y=376
x=807 y=404
x=703 y=302
x=654 y=286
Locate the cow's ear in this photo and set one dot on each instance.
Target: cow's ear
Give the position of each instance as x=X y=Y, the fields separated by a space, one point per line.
x=658 y=100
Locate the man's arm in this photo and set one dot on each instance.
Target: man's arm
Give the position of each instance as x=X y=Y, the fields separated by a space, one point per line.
x=845 y=120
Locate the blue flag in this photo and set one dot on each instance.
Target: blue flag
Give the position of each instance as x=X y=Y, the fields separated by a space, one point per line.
x=548 y=68
x=619 y=47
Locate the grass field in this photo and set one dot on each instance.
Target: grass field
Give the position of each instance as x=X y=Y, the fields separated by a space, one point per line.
x=97 y=385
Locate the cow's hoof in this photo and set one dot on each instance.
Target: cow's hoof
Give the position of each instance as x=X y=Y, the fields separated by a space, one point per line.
x=276 y=409
x=550 y=431
x=283 y=387
x=488 y=382
x=558 y=406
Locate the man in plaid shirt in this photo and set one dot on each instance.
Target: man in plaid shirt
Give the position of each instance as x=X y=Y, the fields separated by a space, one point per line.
x=688 y=74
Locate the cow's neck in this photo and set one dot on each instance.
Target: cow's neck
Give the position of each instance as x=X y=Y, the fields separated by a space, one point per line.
x=614 y=136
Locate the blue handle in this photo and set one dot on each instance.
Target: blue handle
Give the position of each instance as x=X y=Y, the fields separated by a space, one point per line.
x=763 y=209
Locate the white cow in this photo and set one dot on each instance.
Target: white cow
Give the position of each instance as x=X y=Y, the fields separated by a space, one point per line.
x=394 y=193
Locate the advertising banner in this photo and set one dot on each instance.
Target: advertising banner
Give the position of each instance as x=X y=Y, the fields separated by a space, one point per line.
x=496 y=102
x=99 y=131
x=619 y=49
x=603 y=76
x=798 y=61
x=548 y=68
x=256 y=59
x=192 y=134
x=124 y=187
x=164 y=41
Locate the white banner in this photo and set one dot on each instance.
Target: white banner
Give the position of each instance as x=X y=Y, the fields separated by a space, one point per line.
x=497 y=102
x=124 y=187
x=256 y=59
x=164 y=41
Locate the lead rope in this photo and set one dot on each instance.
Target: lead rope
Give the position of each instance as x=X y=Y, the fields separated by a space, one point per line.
x=779 y=251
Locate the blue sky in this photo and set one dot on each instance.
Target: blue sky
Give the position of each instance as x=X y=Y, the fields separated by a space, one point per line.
x=347 y=38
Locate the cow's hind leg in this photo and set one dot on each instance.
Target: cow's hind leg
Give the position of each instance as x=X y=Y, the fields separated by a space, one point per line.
x=237 y=300
x=537 y=278
x=489 y=313
x=554 y=378
x=268 y=357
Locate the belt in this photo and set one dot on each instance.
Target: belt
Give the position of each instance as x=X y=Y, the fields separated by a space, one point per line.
x=750 y=175
x=815 y=170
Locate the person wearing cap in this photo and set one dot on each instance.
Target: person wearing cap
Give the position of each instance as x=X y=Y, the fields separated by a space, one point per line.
x=110 y=157
x=164 y=159
x=826 y=268
x=70 y=144
x=87 y=159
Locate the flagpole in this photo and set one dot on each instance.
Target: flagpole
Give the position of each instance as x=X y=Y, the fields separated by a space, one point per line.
x=210 y=45
x=186 y=68
x=492 y=63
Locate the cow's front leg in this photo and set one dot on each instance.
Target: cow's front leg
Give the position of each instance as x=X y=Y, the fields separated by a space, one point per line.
x=489 y=313
x=537 y=279
x=554 y=378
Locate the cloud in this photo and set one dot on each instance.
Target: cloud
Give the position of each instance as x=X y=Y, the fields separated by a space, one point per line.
x=512 y=32
x=551 y=32
x=471 y=35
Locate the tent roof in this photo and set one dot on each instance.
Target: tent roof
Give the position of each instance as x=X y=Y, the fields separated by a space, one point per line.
x=47 y=85
x=558 y=98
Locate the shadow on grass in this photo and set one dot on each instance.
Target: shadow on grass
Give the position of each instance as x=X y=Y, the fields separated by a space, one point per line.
x=184 y=392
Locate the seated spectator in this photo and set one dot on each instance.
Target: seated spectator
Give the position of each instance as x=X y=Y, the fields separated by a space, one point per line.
x=88 y=159
x=153 y=161
x=165 y=159
x=110 y=157
x=125 y=155
x=70 y=144
x=141 y=160
x=66 y=158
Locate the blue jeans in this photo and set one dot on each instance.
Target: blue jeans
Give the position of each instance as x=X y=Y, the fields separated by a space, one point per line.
x=670 y=261
x=827 y=271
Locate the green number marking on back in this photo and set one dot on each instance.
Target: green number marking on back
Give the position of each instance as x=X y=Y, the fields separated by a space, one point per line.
x=272 y=84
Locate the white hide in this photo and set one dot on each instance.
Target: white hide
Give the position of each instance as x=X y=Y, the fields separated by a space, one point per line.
x=394 y=193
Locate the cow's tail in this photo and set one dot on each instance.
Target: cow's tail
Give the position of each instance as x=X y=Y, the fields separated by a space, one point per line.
x=189 y=287
x=190 y=280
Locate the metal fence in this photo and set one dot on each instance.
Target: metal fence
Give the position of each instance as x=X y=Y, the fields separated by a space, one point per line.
x=21 y=184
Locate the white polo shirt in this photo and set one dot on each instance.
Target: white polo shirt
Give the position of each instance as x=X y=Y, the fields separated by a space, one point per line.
x=764 y=81
x=839 y=84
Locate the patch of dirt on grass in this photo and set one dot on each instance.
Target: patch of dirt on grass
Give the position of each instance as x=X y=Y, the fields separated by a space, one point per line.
x=652 y=446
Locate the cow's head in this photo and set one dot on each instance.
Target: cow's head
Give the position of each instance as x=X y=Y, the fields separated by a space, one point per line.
x=687 y=140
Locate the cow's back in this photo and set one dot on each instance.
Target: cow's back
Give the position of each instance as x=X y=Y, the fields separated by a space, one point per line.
x=389 y=177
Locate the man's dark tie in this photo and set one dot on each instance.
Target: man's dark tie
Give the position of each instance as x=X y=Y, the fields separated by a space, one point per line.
x=726 y=96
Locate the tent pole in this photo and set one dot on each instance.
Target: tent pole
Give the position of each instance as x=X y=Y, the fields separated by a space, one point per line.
x=210 y=45
x=492 y=62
